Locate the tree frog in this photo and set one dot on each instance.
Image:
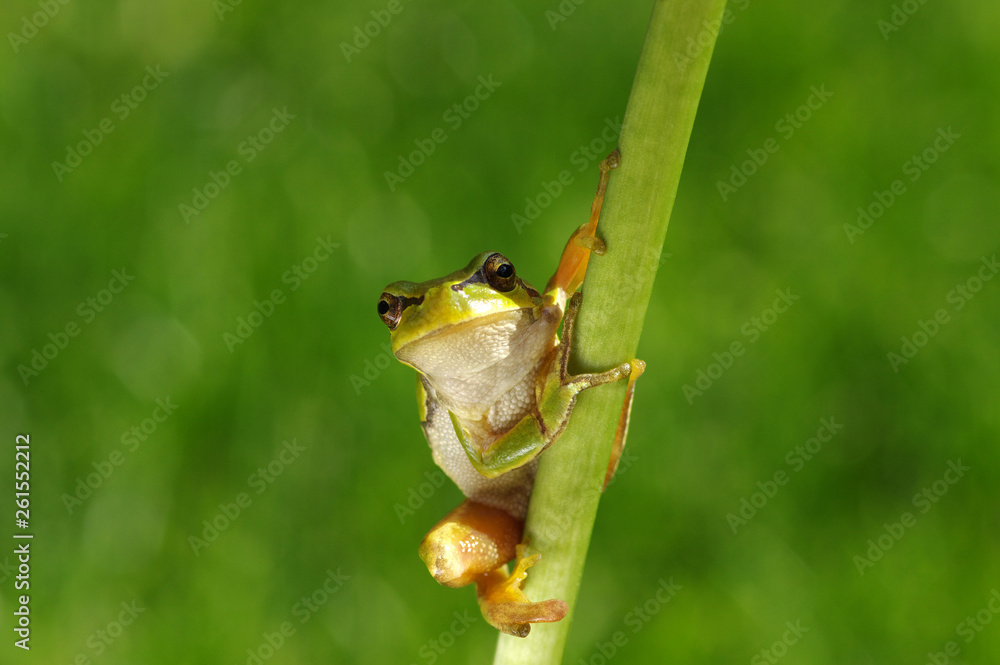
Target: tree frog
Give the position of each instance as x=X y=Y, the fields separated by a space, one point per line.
x=493 y=393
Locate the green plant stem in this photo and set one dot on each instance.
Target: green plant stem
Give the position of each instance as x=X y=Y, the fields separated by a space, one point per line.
x=653 y=142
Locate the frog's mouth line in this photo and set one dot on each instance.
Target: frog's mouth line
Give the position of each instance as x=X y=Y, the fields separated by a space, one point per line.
x=451 y=328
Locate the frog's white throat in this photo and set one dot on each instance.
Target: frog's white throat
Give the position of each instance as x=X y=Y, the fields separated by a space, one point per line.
x=484 y=371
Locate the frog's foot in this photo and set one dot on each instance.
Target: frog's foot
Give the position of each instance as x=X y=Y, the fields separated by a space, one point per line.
x=630 y=370
x=618 y=446
x=573 y=264
x=472 y=540
x=505 y=606
x=473 y=543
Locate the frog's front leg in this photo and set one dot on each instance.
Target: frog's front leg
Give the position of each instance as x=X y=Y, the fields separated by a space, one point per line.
x=632 y=369
x=473 y=543
x=556 y=394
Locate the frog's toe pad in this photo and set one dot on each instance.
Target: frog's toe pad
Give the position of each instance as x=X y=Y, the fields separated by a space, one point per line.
x=593 y=244
x=515 y=617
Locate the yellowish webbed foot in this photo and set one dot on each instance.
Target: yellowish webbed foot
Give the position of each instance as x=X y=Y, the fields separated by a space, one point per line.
x=473 y=543
x=505 y=606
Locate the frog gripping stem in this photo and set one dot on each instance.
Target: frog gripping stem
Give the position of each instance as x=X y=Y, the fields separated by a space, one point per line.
x=490 y=409
x=504 y=604
x=472 y=544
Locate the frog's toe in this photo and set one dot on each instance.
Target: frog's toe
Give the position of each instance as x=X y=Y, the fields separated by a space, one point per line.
x=515 y=617
x=592 y=244
x=506 y=607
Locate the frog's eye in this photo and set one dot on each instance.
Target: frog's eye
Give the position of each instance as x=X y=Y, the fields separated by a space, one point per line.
x=499 y=273
x=389 y=309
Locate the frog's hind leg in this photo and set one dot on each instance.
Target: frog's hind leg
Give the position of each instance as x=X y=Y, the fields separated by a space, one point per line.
x=504 y=604
x=473 y=543
x=470 y=541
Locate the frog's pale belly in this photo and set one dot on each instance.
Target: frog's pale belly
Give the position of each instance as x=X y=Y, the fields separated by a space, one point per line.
x=513 y=405
x=509 y=491
x=485 y=374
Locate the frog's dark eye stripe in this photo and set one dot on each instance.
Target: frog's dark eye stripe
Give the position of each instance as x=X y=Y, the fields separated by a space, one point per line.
x=499 y=273
x=390 y=308
x=477 y=278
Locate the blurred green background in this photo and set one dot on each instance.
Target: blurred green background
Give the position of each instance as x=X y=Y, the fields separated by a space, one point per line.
x=308 y=130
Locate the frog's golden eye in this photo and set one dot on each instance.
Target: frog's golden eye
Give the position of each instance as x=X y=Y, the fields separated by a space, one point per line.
x=499 y=273
x=389 y=309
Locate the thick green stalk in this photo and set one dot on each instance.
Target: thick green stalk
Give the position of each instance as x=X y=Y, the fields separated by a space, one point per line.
x=654 y=138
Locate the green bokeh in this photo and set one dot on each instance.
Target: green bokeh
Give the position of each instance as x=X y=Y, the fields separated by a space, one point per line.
x=315 y=372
